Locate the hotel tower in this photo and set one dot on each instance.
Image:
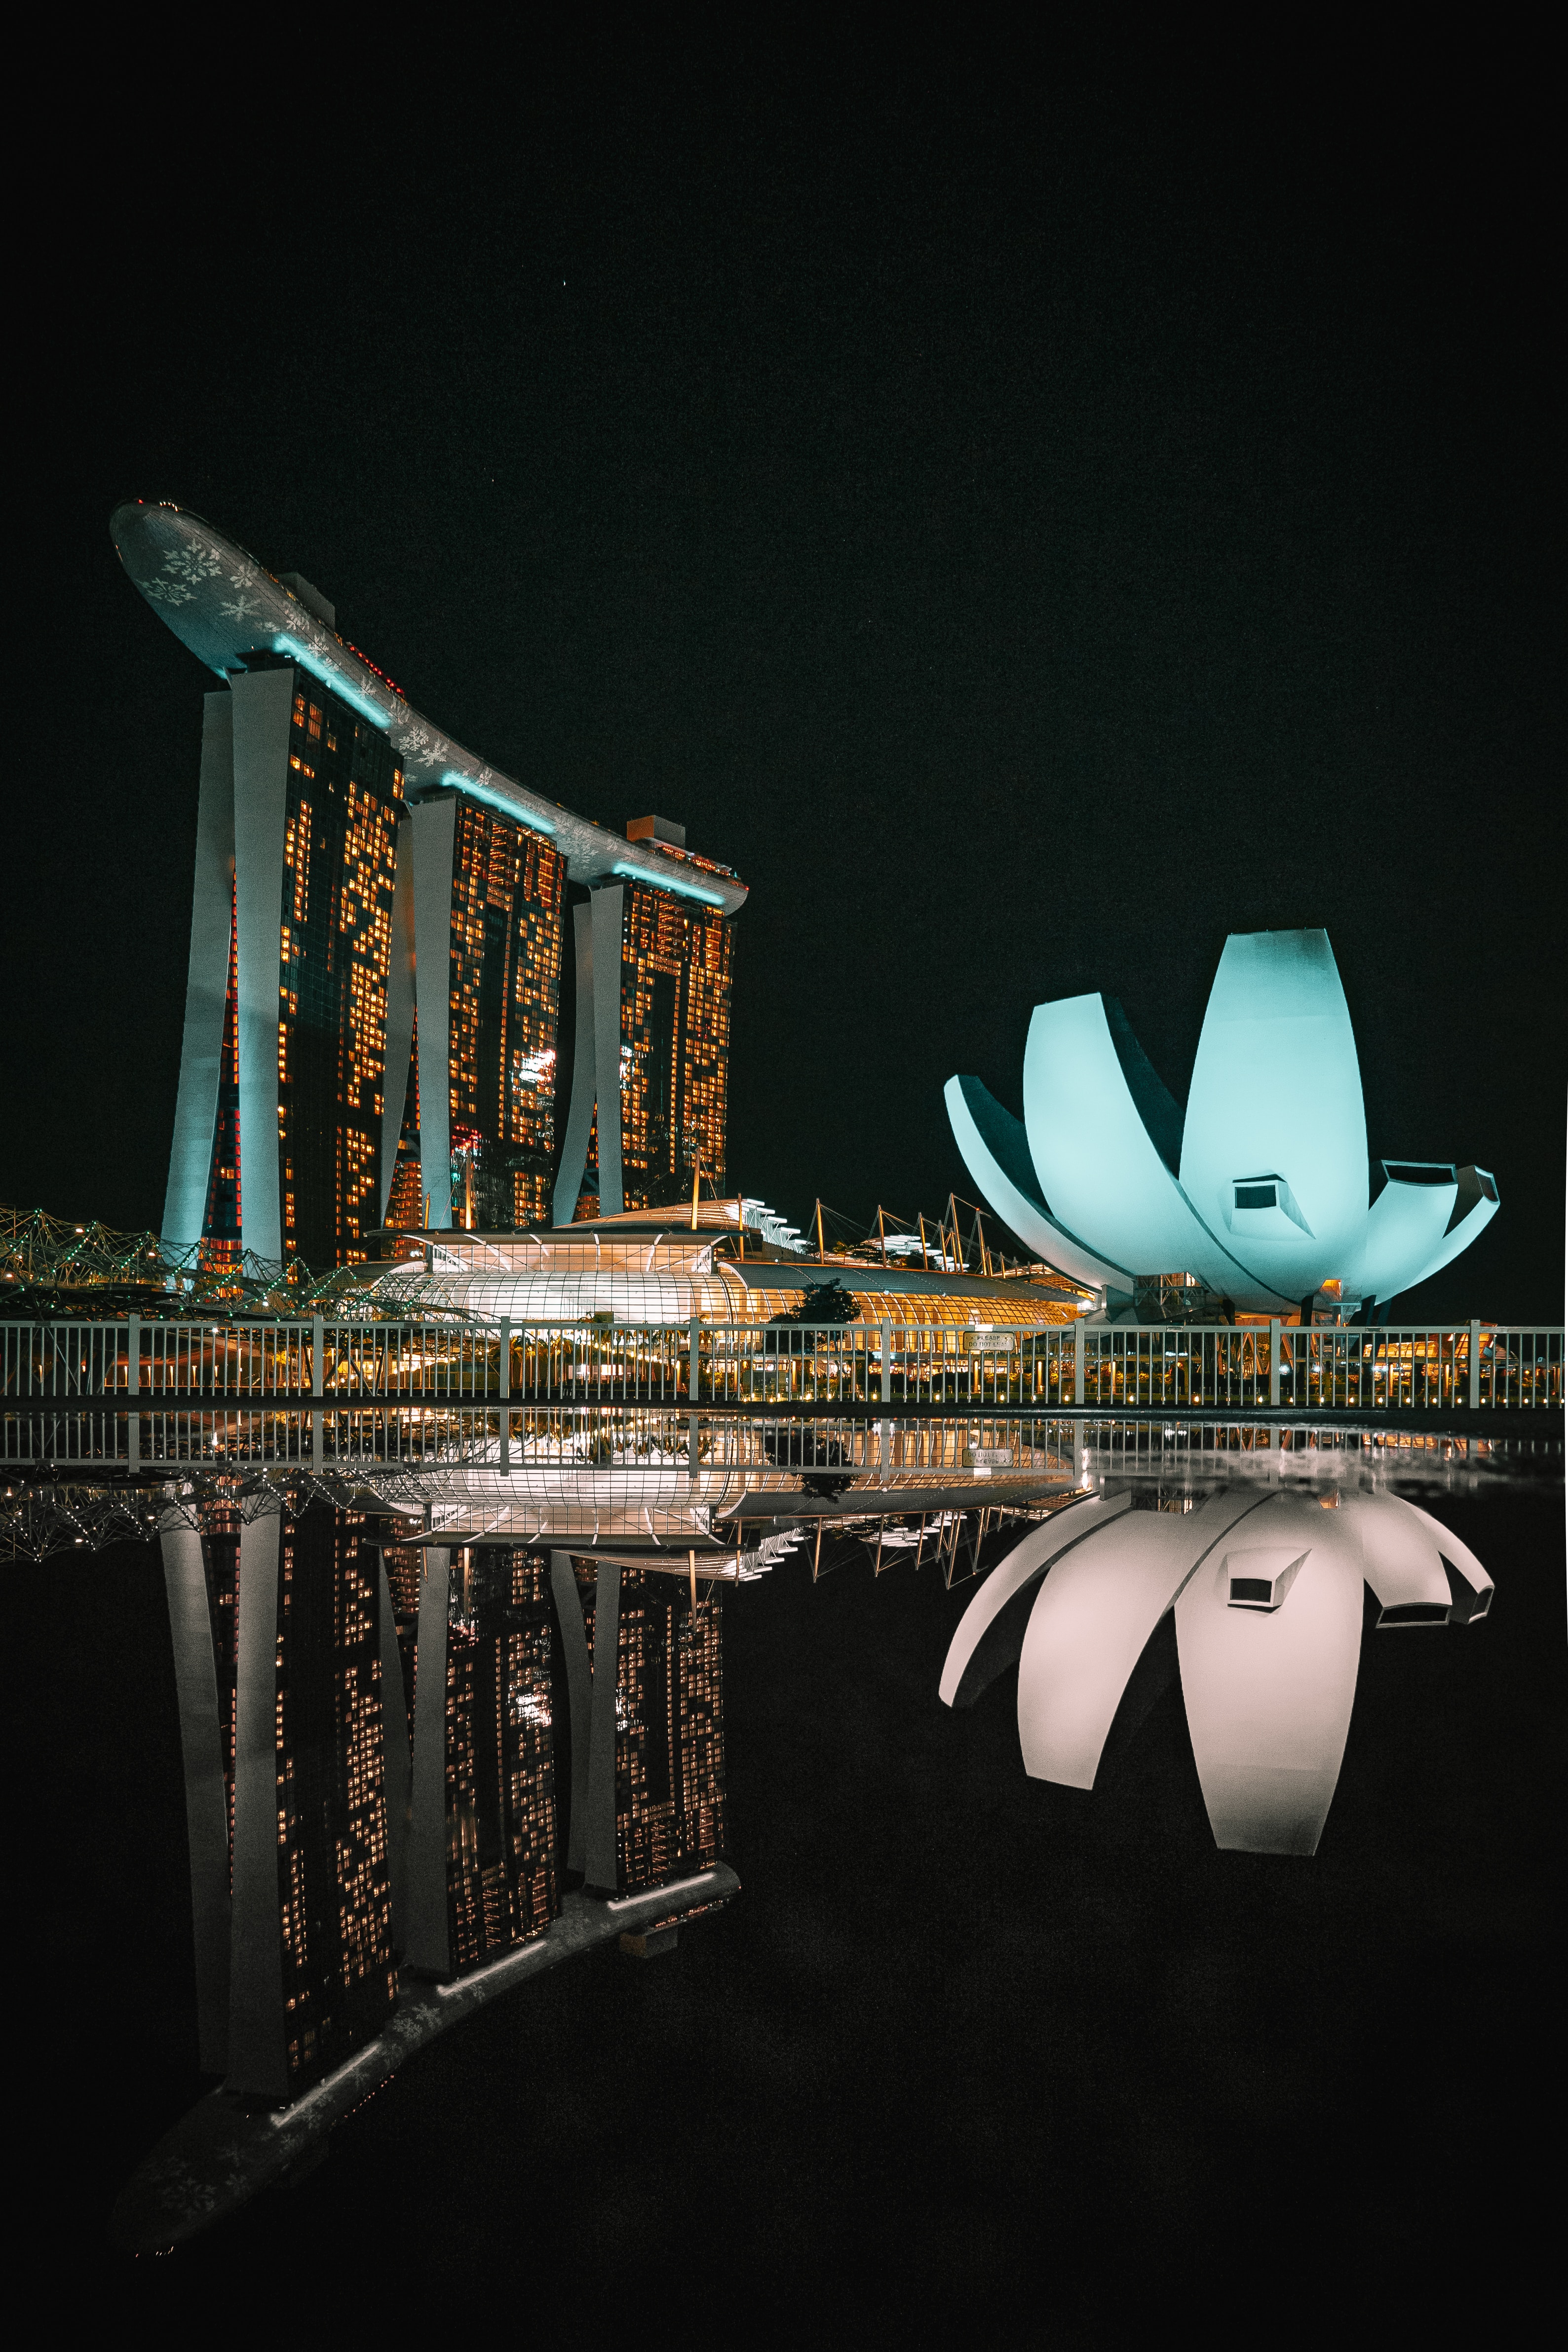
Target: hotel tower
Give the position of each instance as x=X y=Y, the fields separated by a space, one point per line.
x=377 y=939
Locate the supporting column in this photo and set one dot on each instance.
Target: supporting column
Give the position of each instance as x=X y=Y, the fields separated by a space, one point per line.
x=434 y=828
x=608 y=907
x=579 y=1697
x=580 y=1114
x=1275 y=1327
x=399 y=1012
x=1077 y=1361
x=206 y=1801
x=694 y=1364
x=429 y=1943
x=1475 y=1367
x=263 y=711
x=395 y=1761
x=599 y=1863
x=258 y=2060
x=206 y=982
x=505 y=1396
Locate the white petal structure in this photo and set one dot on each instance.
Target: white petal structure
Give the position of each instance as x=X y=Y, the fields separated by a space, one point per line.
x=1268 y=1687
x=1097 y=1143
x=983 y=1646
x=1266 y=1587
x=1259 y=1188
x=1090 y=1625
x=1401 y=1561
x=995 y=1151
x=1274 y=1109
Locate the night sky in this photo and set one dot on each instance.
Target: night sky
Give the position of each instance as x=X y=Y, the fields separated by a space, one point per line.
x=1028 y=532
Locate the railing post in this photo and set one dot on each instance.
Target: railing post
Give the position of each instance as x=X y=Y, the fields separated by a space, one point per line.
x=694 y=1361
x=1274 y=1330
x=886 y=1336
x=1475 y=1364
x=318 y=1387
x=1077 y=1344
x=133 y=1388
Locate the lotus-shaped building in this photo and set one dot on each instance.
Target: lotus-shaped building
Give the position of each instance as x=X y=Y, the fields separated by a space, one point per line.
x=1265 y=1592
x=1259 y=1188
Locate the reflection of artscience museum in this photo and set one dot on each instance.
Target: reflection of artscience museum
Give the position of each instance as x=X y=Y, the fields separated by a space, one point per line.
x=1265 y=1593
x=1259 y=1189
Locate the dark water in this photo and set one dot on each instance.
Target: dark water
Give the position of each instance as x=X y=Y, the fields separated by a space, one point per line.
x=969 y=2051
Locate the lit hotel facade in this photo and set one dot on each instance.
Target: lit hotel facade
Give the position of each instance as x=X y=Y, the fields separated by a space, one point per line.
x=378 y=938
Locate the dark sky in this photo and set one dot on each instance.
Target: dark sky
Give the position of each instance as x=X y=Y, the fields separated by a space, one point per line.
x=1030 y=529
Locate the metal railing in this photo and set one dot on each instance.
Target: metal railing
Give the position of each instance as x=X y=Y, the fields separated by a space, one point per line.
x=1383 y=1369
x=1121 y=1367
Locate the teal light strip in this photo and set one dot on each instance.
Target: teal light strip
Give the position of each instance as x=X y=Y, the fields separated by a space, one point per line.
x=537 y=823
x=333 y=679
x=682 y=888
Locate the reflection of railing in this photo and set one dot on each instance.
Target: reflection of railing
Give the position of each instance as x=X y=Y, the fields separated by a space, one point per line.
x=629 y=1454
x=319 y=1365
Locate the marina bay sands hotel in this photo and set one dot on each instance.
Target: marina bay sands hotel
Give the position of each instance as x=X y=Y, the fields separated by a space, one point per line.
x=377 y=934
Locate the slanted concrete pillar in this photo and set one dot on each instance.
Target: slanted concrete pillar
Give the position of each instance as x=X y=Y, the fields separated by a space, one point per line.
x=580 y=1112
x=434 y=825
x=206 y=984
x=258 y=2059
x=263 y=711
x=206 y=1801
x=399 y=1012
x=429 y=1942
x=607 y=909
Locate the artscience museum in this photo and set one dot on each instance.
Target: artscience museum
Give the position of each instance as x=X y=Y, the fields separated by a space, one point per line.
x=1257 y=1189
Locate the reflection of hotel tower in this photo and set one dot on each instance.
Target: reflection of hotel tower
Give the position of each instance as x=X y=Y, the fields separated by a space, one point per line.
x=398 y=1754
x=374 y=992
x=279 y=1659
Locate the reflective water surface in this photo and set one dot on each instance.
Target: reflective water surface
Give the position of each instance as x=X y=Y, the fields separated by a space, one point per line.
x=1099 y=1580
